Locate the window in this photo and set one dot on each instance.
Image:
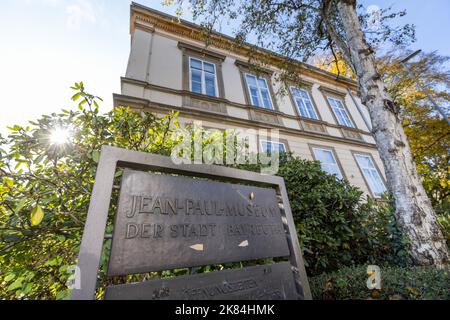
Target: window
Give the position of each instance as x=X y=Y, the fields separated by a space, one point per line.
x=340 y=112
x=328 y=161
x=270 y=146
x=304 y=103
x=371 y=174
x=259 y=91
x=203 y=77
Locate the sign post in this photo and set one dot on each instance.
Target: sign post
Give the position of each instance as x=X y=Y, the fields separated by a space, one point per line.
x=190 y=215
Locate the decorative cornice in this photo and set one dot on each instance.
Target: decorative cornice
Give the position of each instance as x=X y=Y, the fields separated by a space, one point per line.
x=147 y=85
x=327 y=90
x=218 y=40
x=201 y=51
x=145 y=103
x=250 y=67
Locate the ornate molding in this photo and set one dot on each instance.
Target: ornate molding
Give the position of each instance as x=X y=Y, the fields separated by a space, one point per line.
x=192 y=31
x=142 y=104
x=200 y=51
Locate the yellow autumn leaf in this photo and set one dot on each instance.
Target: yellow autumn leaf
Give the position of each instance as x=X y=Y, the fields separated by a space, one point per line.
x=36 y=216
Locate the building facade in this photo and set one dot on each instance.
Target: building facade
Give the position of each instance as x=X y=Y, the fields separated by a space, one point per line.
x=318 y=118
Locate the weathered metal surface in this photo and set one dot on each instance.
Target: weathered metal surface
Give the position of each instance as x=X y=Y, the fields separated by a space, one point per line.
x=267 y=282
x=166 y=222
x=94 y=231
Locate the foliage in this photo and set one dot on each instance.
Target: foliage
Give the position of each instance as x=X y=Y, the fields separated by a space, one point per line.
x=334 y=64
x=335 y=227
x=428 y=133
x=397 y=283
x=295 y=29
x=45 y=189
x=444 y=223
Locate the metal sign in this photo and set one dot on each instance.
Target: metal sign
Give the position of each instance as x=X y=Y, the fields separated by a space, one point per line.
x=199 y=222
x=203 y=215
x=266 y=282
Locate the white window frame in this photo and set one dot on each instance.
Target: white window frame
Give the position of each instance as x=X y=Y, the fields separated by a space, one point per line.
x=336 y=163
x=203 y=84
x=342 y=110
x=374 y=168
x=261 y=143
x=259 y=91
x=316 y=116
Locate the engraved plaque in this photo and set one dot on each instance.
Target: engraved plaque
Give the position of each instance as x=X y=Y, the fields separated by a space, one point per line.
x=264 y=117
x=313 y=126
x=165 y=222
x=351 y=134
x=267 y=282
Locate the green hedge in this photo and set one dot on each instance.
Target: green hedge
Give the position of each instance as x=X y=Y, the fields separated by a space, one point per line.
x=398 y=283
x=336 y=225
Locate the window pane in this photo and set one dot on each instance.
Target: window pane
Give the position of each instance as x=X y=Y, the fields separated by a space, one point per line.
x=209 y=67
x=196 y=75
x=262 y=83
x=270 y=146
x=304 y=103
x=259 y=92
x=197 y=64
x=266 y=98
x=251 y=80
x=266 y=146
x=255 y=97
x=324 y=156
x=371 y=174
x=311 y=112
x=301 y=107
x=304 y=94
x=196 y=81
x=328 y=162
x=196 y=87
x=210 y=84
x=203 y=78
x=365 y=162
x=340 y=112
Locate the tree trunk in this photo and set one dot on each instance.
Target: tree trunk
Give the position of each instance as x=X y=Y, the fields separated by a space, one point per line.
x=414 y=212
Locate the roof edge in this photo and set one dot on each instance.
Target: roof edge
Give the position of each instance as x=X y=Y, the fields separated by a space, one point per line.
x=175 y=21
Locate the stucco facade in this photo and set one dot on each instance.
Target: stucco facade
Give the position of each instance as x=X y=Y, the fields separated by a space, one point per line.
x=158 y=80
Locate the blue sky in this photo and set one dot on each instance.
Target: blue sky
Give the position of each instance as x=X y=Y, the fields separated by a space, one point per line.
x=47 y=45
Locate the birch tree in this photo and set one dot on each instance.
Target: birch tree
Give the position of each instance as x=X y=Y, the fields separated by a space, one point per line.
x=300 y=28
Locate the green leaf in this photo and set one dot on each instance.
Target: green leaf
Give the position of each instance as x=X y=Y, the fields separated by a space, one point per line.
x=16 y=285
x=39 y=159
x=11 y=237
x=76 y=96
x=36 y=216
x=9 y=277
x=20 y=205
x=95 y=156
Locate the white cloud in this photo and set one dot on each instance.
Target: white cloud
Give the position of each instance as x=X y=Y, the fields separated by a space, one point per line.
x=79 y=12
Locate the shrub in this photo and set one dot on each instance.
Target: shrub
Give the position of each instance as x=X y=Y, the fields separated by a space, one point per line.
x=397 y=283
x=58 y=179
x=335 y=226
x=325 y=211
